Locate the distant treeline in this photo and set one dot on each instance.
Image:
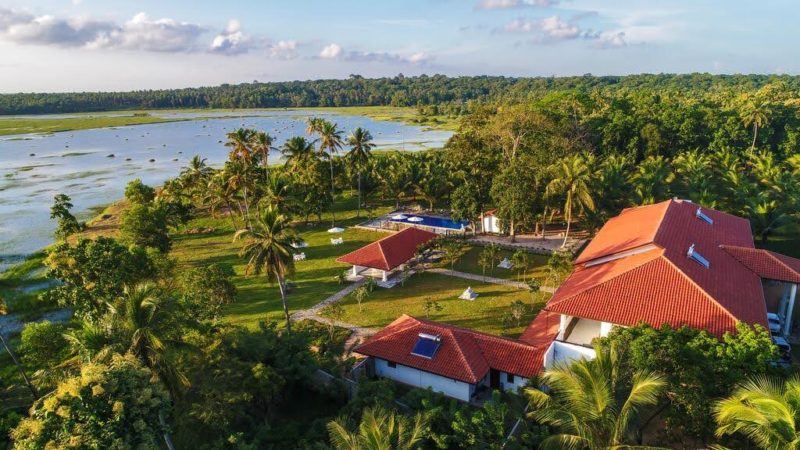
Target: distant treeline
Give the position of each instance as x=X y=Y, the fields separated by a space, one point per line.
x=394 y=91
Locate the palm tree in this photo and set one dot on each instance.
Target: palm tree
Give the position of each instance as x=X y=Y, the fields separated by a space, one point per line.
x=378 y=430
x=269 y=251
x=142 y=316
x=360 y=142
x=239 y=142
x=652 y=180
x=756 y=113
x=17 y=364
x=571 y=178
x=766 y=215
x=330 y=139
x=297 y=150
x=765 y=410
x=237 y=178
x=261 y=143
x=589 y=405
x=217 y=194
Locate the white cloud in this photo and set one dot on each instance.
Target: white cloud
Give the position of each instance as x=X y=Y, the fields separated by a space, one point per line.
x=139 y=33
x=284 y=50
x=551 y=28
x=611 y=39
x=331 y=51
x=509 y=4
x=232 y=40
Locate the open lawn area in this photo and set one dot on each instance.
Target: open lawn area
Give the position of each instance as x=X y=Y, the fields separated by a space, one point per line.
x=484 y=313
x=468 y=262
x=314 y=278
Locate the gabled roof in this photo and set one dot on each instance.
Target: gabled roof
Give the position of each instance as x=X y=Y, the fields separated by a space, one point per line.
x=637 y=269
x=767 y=264
x=463 y=355
x=389 y=252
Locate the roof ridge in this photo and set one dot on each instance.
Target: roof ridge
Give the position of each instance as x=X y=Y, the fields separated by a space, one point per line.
x=772 y=255
x=379 y=243
x=472 y=332
x=659 y=248
x=463 y=356
x=402 y=320
x=705 y=293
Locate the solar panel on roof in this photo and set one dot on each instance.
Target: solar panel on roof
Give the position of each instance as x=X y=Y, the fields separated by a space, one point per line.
x=697 y=257
x=703 y=216
x=426 y=346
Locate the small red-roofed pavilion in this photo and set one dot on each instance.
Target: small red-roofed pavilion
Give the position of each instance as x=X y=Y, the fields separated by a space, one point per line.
x=385 y=255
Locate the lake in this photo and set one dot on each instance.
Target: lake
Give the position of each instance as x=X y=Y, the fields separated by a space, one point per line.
x=78 y=163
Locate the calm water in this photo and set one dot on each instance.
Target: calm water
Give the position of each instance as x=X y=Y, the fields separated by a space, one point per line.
x=78 y=163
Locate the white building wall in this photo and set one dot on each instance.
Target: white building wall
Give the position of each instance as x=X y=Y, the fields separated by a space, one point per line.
x=491 y=225
x=519 y=382
x=605 y=328
x=563 y=351
x=419 y=378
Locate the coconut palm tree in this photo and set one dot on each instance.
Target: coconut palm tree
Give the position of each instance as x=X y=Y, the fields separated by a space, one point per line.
x=571 y=178
x=360 y=142
x=261 y=144
x=217 y=194
x=269 y=251
x=756 y=113
x=652 y=180
x=297 y=150
x=142 y=319
x=379 y=430
x=589 y=405
x=239 y=142
x=17 y=364
x=330 y=140
x=767 y=411
x=195 y=174
x=237 y=175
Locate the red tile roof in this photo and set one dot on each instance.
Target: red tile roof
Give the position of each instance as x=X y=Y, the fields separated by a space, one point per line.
x=389 y=252
x=660 y=284
x=767 y=264
x=464 y=355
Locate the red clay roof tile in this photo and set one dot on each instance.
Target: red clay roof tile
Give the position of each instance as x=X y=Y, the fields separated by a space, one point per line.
x=389 y=252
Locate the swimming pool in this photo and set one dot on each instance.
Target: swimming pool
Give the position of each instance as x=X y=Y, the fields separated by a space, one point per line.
x=430 y=221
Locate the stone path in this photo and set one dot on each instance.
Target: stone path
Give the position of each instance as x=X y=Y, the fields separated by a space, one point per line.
x=493 y=280
x=359 y=333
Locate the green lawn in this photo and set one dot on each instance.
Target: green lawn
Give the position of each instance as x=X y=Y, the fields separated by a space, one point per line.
x=315 y=278
x=468 y=262
x=483 y=314
x=83 y=122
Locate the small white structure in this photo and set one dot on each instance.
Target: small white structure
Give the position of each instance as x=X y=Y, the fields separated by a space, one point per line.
x=301 y=244
x=505 y=264
x=491 y=224
x=300 y=256
x=468 y=294
x=399 y=217
x=415 y=219
x=337 y=241
x=335 y=230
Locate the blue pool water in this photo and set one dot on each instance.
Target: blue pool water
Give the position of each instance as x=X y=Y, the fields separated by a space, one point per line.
x=439 y=222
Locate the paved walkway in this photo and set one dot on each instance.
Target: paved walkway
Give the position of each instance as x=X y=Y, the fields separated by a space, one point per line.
x=359 y=333
x=493 y=280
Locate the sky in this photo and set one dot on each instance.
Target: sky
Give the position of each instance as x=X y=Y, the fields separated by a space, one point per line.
x=101 y=45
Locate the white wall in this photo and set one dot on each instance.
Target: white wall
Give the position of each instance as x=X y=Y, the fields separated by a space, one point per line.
x=519 y=382
x=491 y=225
x=563 y=351
x=605 y=328
x=422 y=379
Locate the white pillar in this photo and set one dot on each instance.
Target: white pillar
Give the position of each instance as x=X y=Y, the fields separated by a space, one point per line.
x=787 y=321
x=383 y=275
x=355 y=271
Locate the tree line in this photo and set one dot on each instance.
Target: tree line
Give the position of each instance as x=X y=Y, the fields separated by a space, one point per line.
x=435 y=90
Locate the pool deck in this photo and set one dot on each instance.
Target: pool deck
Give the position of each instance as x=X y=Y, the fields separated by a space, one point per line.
x=385 y=223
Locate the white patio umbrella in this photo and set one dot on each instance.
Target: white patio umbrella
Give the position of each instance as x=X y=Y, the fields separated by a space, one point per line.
x=415 y=219
x=335 y=230
x=399 y=217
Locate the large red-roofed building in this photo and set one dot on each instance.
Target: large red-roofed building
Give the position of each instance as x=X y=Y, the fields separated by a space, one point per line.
x=671 y=263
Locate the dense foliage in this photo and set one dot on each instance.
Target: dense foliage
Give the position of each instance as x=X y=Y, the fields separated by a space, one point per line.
x=114 y=406
x=437 y=91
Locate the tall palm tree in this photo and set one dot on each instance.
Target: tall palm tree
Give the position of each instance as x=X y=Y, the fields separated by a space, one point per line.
x=269 y=251
x=238 y=178
x=590 y=405
x=17 y=364
x=360 y=142
x=261 y=144
x=765 y=410
x=379 y=430
x=239 y=142
x=195 y=173
x=297 y=150
x=571 y=179
x=217 y=194
x=144 y=319
x=330 y=140
x=756 y=113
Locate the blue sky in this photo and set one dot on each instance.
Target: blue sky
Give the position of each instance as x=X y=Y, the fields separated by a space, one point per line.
x=58 y=45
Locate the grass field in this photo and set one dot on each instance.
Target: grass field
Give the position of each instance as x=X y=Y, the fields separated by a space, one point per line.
x=468 y=262
x=483 y=314
x=82 y=122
